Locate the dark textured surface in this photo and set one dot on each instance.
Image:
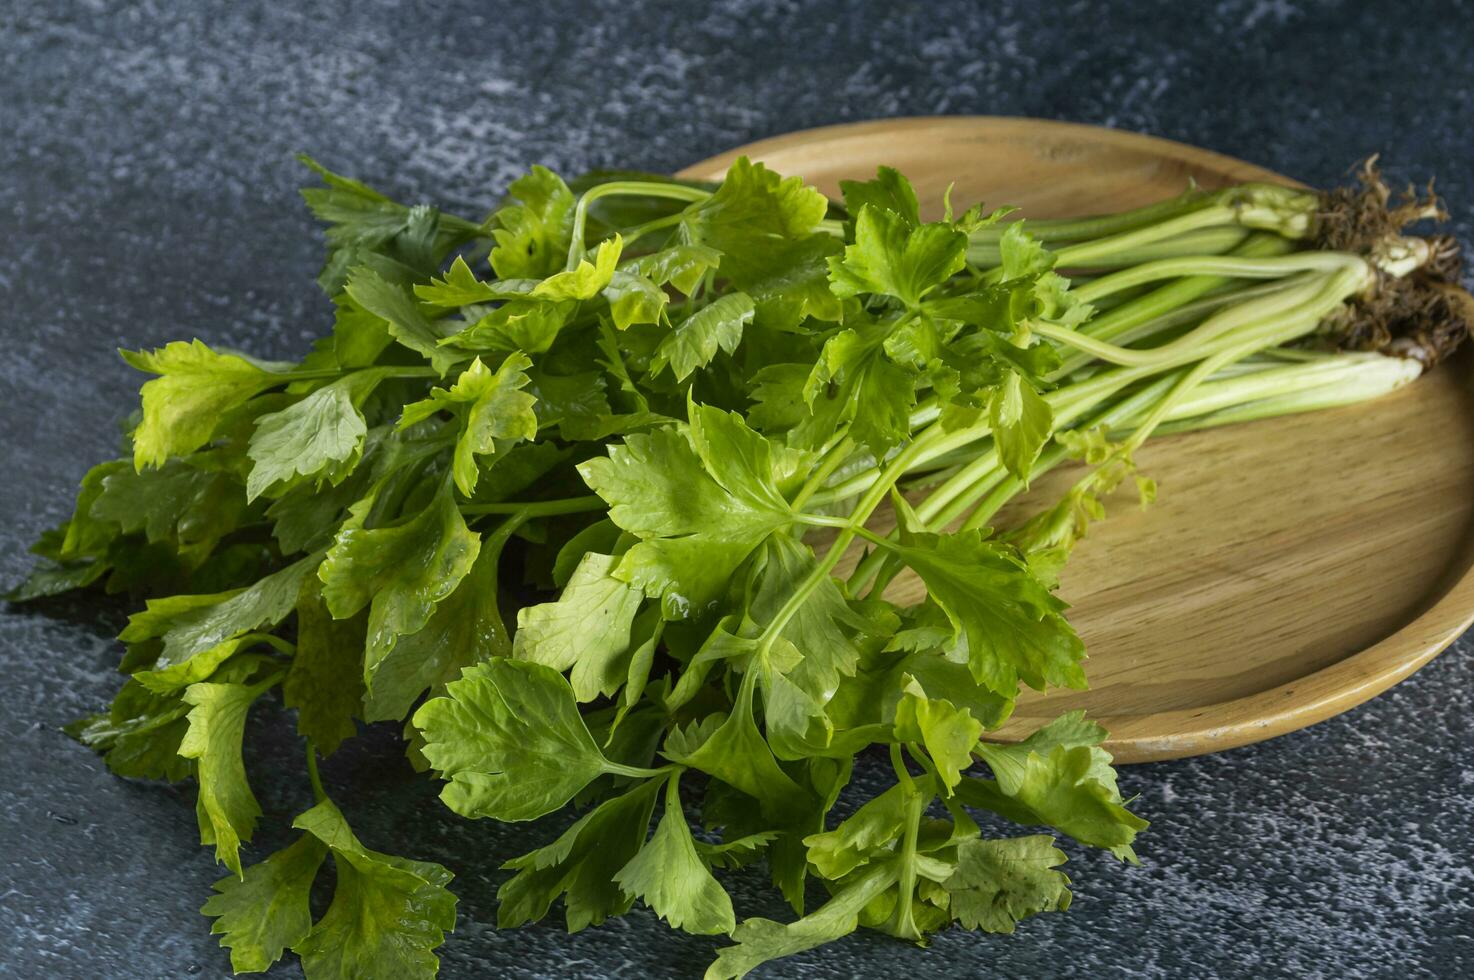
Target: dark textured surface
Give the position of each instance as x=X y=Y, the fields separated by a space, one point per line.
x=147 y=193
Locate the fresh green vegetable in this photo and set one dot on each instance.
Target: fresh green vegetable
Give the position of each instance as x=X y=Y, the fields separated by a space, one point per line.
x=666 y=412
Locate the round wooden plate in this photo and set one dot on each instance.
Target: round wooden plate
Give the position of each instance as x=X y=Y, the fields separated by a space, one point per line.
x=1291 y=568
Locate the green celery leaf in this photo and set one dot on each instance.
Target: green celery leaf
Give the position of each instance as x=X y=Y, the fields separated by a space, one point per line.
x=634 y=299
x=818 y=647
x=402 y=315
x=139 y=568
x=522 y=467
x=399 y=572
x=460 y=287
x=612 y=360
x=917 y=341
x=753 y=211
x=998 y=312
x=325 y=680
x=199 y=667
x=1022 y=423
x=509 y=738
x=693 y=342
x=1035 y=363
x=580 y=865
x=186 y=506
x=754 y=470
x=822 y=629
x=536 y=231
x=700 y=497
x=683 y=266
x=359 y=337
x=139 y=734
x=568 y=398
x=1071 y=730
x=587 y=279
x=519 y=325
x=465 y=628
x=195 y=628
x=494 y=413
x=1022 y=255
x=762 y=940
x=1012 y=627
x=1060 y=777
x=764 y=227
x=1053 y=301
x=586 y=629
x=669 y=875
x=307 y=516
x=1050 y=536
x=795 y=285
x=736 y=853
x=999 y=882
x=950 y=733
x=852 y=381
x=939 y=677
x=735 y=752
x=159 y=616
x=200 y=632
x=227 y=808
x=265 y=912
x=865 y=835
x=53 y=575
x=600 y=428
x=889 y=191
x=796 y=722
x=777 y=392
x=51 y=578
x=388 y=913
x=320 y=437
x=720 y=644
x=646 y=634
x=365 y=227
x=88 y=535
x=195 y=388
x=894 y=258
x=927 y=663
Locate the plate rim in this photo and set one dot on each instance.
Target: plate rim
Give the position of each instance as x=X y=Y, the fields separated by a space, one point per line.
x=1217 y=726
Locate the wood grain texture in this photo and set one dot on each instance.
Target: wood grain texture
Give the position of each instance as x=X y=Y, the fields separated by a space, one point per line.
x=1291 y=568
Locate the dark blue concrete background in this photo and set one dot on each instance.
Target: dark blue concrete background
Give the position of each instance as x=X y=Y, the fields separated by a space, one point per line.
x=147 y=193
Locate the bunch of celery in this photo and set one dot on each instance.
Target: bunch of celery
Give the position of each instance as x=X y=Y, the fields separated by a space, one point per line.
x=637 y=425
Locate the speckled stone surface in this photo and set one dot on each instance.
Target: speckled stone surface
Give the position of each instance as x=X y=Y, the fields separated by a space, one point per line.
x=147 y=193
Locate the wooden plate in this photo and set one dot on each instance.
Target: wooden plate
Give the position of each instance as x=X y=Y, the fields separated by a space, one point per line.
x=1291 y=568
